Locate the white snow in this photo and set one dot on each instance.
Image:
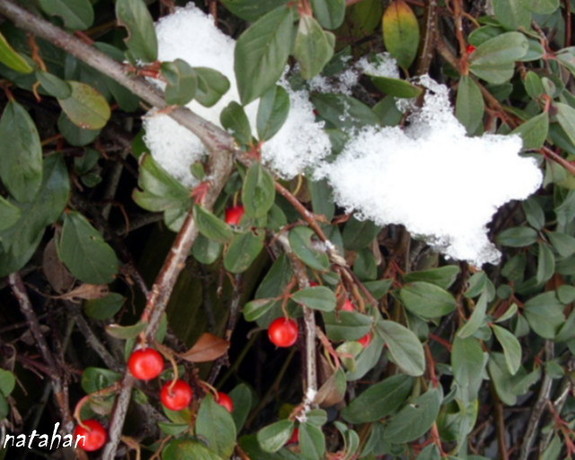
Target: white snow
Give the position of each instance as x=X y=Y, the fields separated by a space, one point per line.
x=191 y=35
x=432 y=178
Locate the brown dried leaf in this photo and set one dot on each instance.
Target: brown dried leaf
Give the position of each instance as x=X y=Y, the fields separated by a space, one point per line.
x=209 y=347
x=56 y=273
x=86 y=292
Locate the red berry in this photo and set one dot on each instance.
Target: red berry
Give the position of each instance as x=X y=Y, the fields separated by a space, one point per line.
x=294 y=438
x=94 y=435
x=348 y=306
x=176 y=396
x=283 y=332
x=224 y=399
x=146 y=363
x=366 y=340
x=470 y=49
x=234 y=214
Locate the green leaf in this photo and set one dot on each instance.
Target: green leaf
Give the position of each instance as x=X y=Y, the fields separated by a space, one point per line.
x=243 y=250
x=346 y=325
x=21 y=158
x=243 y=399
x=513 y=14
x=517 y=237
x=125 y=332
x=564 y=244
x=566 y=57
x=7 y=382
x=273 y=437
x=261 y=53
x=86 y=107
x=142 y=42
x=494 y=59
x=312 y=442
x=300 y=239
x=427 y=300
x=469 y=105
x=249 y=10
x=104 y=308
x=212 y=85
x=476 y=320
x=205 y=250
x=316 y=298
x=395 y=87
x=441 y=276
x=75 y=135
x=404 y=346
x=544 y=313
x=313 y=47
x=11 y=58
x=534 y=131
x=273 y=111
x=186 y=449
x=257 y=308
x=258 y=191
x=182 y=82
x=533 y=85
x=379 y=400
x=77 y=14
x=415 y=418
x=329 y=13
x=234 y=119
x=480 y=283
x=534 y=213
x=215 y=425
x=53 y=85
x=401 y=32
x=211 y=226
x=468 y=361
x=84 y=252
x=344 y=112
x=19 y=241
x=359 y=234
x=545 y=263
x=96 y=379
x=543 y=6
x=565 y=115
x=511 y=348
x=9 y=214
x=321 y=197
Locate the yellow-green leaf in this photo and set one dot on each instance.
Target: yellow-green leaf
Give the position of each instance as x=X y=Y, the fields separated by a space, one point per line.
x=86 y=107
x=11 y=58
x=401 y=32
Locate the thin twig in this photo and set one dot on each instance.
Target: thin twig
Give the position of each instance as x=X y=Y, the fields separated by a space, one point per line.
x=429 y=38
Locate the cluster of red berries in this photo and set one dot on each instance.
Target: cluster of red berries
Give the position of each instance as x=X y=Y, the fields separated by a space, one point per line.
x=147 y=364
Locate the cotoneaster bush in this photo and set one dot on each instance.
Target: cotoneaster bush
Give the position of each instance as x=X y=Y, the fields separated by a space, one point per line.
x=310 y=229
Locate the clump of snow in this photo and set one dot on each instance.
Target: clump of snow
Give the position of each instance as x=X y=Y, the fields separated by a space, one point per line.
x=432 y=178
x=381 y=65
x=191 y=35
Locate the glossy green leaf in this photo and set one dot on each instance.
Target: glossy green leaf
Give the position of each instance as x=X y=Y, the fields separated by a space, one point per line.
x=11 y=58
x=258 y=191
x=566 y=57
x=545 y=262
x=54 y=85
x=565 y=115
x=125 y=332
x=469 y=105
x=272 y=112
x=249 y=10
x=7 y=382
x=513 y=14
x=243 y=399
x=312 y=442
x=86 y=107
x=185 y=449
x=441 y=276
x=75 y=135
x=346 y=325
x=21 y=157
x=105 y=307
x=427 y=300
x=534 y=213
x=273 y=437
x=256 y=308
x=562 y=243
x=261 y=53
x=211 y=226
x=379 y=400
x=9 y=214
x=205 y=250
x=415 y=419
x=243 y=250
x=19 y=241
x=76 y=14
x=404 y=347
x=215 y=426
x=543 y=6
x=395 y=87
x=468 y=361
x=534 y=131
x=359 y=234
x=212 y=85
x=234 y=119
x=533 y=85
x=329 y=13
x=302 y=243
x=401 y=32
x=511 y=348
x=141 y=40
x=182 y=82
x=476 y=320
x=84 y=252
x=96 y=379
x=313 y=47
x=544 y=313
x=517 y=237
x=493 y=60
x=367 y=359
x=344 y=112
x=316 y=298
